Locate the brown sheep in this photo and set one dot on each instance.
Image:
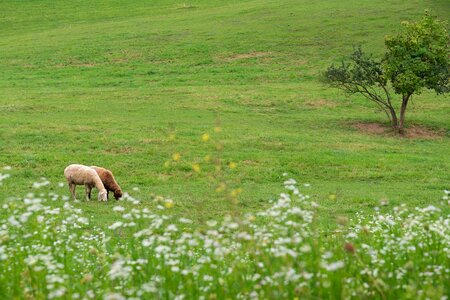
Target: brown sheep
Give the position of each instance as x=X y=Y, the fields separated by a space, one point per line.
x=83 y=175
x=108 y=181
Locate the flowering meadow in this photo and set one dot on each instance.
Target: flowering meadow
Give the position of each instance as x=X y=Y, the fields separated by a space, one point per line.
x=50 y=250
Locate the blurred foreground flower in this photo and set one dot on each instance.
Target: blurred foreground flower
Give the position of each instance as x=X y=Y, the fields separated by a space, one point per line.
x=205 y=137
x=196 y=168
x=168 y=203
x=176 y=156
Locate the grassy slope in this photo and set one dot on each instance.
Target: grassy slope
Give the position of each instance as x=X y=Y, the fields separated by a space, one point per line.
x=100 y=82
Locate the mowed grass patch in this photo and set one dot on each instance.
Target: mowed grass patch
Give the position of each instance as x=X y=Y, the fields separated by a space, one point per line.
x=106 y=84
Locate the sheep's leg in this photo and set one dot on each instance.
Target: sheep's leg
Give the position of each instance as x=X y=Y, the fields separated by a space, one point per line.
x=88 y=189
x=72 y=187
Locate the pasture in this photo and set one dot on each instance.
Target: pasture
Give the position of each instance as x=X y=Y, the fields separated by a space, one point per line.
x=130 y=86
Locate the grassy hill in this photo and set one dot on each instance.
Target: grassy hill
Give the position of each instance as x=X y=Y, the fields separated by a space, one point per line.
x=106 y=83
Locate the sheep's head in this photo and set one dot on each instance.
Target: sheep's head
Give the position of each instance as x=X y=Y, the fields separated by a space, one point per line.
x=117 y=194
x=103 y=196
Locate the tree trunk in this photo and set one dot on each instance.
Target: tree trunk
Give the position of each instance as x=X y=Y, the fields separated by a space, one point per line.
x=394 y=120
x=403 y=112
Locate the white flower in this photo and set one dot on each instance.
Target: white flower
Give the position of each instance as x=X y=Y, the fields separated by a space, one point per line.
x=431 y=208
x=119 y=269
x=118 y=208
x=233 y=225
x=7 y=168
x=333 y=266
x=184 y=220
x=12 y=220
x=211 y=223
x=4 y=176
x=57 y=293
x=113 y=296
x=116 y=225
x=305 y=248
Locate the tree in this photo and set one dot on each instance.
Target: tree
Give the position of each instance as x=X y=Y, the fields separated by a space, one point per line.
x=416 y=58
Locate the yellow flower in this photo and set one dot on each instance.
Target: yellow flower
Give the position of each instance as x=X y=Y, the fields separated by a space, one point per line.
x=205 y=137
x=168 y=203
x=207 y=158
x=196 y=168
x=221 y=188
x=158 y=199
x=232 y=165
x=332 y=196
x=235 y=192
x=176 y=156
x=217 y=129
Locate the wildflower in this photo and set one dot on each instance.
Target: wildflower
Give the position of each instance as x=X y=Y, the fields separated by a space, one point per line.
x=305 y=248
x=12 y=220
x=342 y=220
x=251 y=218
x=168 y=203
x=86 y=278
x=184 y=220
x=196 y=168
x=205 y=137
x=57 y=293
x=7 y=168
x=332 y=196
x=349 y=248
x=333 y=266
x=135 y=188
x=118 y=208
x=235 y=192
x=220 y=188
x=384 y=202
x=176 y=156
x=113 y=296
x=211 y=223
x=119 y=269
x=116 y=225
x=232 y=165
x=207 y=158
x=4 y=176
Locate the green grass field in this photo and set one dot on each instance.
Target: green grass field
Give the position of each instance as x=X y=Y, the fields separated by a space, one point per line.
x=105 y=83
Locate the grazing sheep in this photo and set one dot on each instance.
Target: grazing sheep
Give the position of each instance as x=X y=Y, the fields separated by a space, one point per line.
x=83 y=175
x=108 y=181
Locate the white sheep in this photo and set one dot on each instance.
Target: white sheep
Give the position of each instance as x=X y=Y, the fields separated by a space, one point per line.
x=83 y=175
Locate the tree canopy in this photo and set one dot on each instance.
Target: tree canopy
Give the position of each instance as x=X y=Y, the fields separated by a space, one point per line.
x=416 y=58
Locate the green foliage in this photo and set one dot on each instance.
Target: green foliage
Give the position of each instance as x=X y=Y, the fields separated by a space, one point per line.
x=415 y=59
x=418 y=57
x=107 y=84
x=276 y=253
x=363 y=75
x=365 y=71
